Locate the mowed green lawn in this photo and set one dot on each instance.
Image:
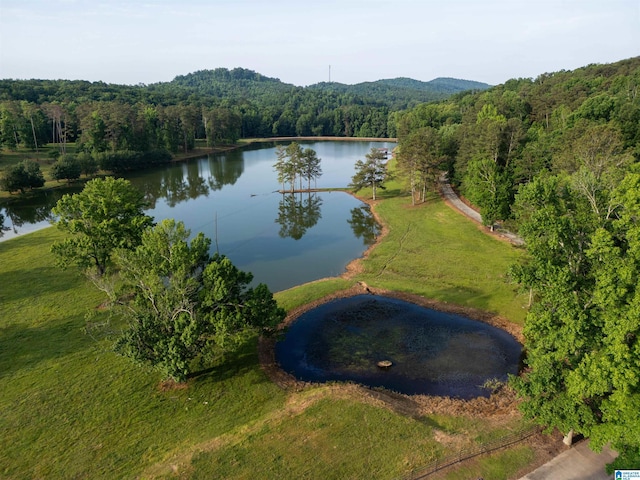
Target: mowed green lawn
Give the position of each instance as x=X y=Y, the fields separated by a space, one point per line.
x=71 y=408
x=435 y=252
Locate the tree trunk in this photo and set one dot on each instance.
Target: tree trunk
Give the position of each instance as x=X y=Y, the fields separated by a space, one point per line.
x=33 y=130
x=568 y=438
x=206 y=131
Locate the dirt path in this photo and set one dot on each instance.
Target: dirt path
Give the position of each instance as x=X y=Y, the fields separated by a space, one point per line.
x=451 y=198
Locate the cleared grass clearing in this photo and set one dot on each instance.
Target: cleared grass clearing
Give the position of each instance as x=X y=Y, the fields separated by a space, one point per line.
x=434 y=252
x=71 y=408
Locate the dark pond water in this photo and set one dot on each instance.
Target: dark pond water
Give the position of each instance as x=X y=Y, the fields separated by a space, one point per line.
x=433 y=353
x=284 y=240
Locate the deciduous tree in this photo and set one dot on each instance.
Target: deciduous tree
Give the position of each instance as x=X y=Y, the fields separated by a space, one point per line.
x=106 y=215
x=185 y=304
x=582 y=332
x=21 y=176
x=419 y=161
x=67 y=168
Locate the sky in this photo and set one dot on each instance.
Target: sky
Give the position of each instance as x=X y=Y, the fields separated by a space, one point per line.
x=305 y=42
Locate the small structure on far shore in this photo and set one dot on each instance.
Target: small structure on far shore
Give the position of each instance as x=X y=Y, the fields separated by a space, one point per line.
x=384 y=151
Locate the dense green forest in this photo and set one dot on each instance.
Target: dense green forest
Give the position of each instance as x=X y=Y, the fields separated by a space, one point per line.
x=558 y=158
x=493 y=141
x=218 y=105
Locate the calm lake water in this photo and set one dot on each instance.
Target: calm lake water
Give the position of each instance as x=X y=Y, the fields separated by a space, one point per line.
x=284 y=240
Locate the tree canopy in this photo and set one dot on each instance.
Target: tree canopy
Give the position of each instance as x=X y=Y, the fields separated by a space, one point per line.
x=107 y=215
x=495 y=140
x=295 y=163
x=370 y=172
x=26 y=174
x=186 y=304
x=583 y=266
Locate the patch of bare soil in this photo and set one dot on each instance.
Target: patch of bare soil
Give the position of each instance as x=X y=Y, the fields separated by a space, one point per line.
x=169 y=385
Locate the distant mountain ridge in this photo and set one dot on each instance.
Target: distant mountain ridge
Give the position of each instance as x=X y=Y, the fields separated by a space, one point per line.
x=402 y=92
x=452 y=85
x=396 y=93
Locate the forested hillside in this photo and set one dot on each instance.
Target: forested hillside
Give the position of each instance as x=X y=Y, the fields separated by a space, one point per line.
x=217 y=105
x=403 y=93
x=558 y=157
x=493 y=141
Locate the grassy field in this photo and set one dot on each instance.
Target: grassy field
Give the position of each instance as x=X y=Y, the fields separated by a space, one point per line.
x=435 y=252
x=71 y=408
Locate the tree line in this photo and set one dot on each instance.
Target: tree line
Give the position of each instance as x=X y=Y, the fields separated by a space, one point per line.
x=558 y=159
x=219 y=106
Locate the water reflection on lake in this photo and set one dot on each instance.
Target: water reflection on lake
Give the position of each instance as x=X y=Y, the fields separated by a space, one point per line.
x=233 y=198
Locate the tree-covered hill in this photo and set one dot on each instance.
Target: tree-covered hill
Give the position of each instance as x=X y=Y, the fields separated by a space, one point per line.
x=401 y=93
x=218 y=105
x=238 y=83
x=525 y=126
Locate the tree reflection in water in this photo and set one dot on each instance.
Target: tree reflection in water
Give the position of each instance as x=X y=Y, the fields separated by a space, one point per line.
x=188 y=181
x=298 y=214
x=363 y=224
x=33 y=209
x=2 y=227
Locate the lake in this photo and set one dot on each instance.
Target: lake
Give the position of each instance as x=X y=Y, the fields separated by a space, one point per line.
x=232 y=197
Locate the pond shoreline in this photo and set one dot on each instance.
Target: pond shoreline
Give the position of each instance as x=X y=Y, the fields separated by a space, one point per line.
x=503 y=402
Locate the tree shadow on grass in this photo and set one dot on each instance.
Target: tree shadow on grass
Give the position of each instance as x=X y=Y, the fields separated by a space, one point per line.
x=34 y=282
x=25 y=347
x=238 y=362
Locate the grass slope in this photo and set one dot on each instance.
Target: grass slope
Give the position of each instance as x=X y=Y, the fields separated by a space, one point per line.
x=435 y=252
x=71 y=408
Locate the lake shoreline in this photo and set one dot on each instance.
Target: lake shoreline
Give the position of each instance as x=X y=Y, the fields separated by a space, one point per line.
x=254 y=141
x=196 y=154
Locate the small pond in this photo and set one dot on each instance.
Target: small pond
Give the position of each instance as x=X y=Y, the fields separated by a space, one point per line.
x=432 y=352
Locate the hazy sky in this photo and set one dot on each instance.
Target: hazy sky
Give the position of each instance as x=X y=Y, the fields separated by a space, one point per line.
x=147 y=41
